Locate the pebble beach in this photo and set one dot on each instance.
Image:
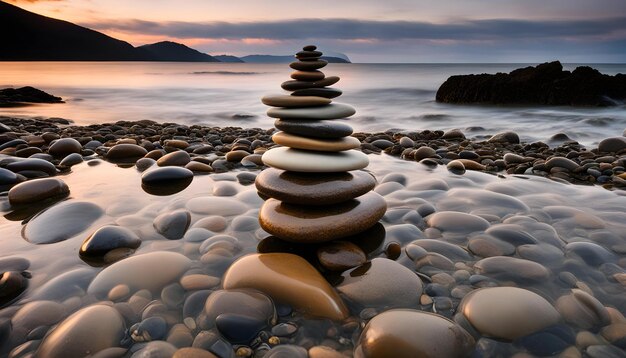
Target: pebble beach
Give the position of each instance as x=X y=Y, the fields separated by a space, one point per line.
x=306 y=239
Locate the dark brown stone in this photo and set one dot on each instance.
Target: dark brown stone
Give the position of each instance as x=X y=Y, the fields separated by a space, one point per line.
x=310 y=224
x=316 y=189
x=340 y=255
x=307 y=75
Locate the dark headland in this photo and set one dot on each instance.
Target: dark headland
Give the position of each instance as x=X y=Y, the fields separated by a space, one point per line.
x=545 y=84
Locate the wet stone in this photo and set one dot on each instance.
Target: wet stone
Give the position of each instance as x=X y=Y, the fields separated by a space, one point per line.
x=172 y=225
x=166 y=180
x=289 y=279
x=457 y=222
x=179 y=158
x=108 y=238
x=65 y=146
x=340 y=255
x=151 y=271
x=411 y=333
x=37 y=190
x=71 y=160
x=324 y=145
x=32 y=165
x=89 y=330
x=320 y=189
x=370 y=285
x=153 y=328
x=61 y=222
x=323 y=223
x=314 y=162
x=12 y=284
x=126 y=151
x=507 y=313
x=583 y=310
x=507 y=268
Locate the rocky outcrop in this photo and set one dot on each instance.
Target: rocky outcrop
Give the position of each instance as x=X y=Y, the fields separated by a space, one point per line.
x=14 y=97
x=545 y=84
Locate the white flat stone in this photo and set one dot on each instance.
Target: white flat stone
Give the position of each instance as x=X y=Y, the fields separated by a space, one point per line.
x=314 y=162
x=331 y=111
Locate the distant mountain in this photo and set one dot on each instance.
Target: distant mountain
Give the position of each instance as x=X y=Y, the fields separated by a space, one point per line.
x=175 y=52
x=286 y=59
x=27 y=36
x=228 y=58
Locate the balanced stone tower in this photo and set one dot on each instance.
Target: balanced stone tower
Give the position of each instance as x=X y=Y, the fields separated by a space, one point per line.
x=316 y=189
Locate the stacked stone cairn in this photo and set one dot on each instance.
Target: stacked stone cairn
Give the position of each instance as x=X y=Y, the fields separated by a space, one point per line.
x=316 y=191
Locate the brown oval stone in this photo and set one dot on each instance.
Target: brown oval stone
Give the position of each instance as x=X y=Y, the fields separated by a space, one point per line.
x=294 y=101
x=287 y=278
x=310 y=224
x=198 y=167
x=308 y=65
x=411 y=333
x=236 y=155
x=307 y=75
x=340 y=255
x=37 y=190
x=179 y=158
x=317 y=189
x=322 y=145
x=123 y=151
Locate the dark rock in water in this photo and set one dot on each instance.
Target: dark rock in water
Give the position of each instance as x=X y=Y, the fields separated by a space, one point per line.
x=72 y=159
x=7 y=177
x=166 y=180
x=32 y=164
x=108 y=238
x=614 y=144
x=318 y=189
x=13 y=97
x=37 y=190
x=172 y=225
x=340 y=255
x=545 y=84
x=12 y=284
x=238 y=329
x=65 y=146
x=505 y=137
x=150 y=329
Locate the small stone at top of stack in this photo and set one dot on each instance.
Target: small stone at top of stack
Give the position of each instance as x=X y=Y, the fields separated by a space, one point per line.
x=316 y=190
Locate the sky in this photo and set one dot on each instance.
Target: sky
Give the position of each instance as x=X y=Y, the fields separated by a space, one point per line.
x=518 y=31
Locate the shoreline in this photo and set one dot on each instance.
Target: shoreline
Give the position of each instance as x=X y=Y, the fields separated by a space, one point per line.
x=222 y=149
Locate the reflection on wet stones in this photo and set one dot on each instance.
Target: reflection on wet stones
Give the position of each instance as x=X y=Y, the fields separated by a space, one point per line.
x=61 y=222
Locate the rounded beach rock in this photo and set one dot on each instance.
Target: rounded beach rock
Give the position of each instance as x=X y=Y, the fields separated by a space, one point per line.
x=320 y=189
x=36 y=190
x=507 y=313
x=289 y=279
x=150 y=271
x=108 y=238
x=322 y=145
x=381 y=283
x=307 y=161
x=126 y=151
x=65 y=146
x=321 y=223
x=410 y=333
x=86 y=332
x=319 y=92
x=330 y=111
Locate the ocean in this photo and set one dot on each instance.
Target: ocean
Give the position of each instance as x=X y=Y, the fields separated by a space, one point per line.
x=386 y=96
